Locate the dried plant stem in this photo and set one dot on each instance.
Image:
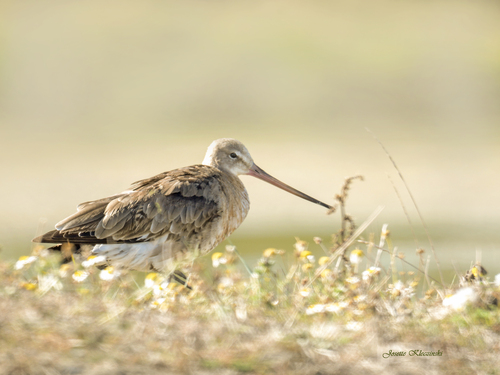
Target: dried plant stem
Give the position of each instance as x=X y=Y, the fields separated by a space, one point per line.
x=347 y=243
x=415 y=204
x=344 y=217
x=343 y=221
x=404 y=210
x=427 y=270
x=403 y=260
x=393 y=265
x=243 y=262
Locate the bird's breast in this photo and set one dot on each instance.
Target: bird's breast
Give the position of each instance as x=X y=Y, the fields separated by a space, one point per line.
x=234 y=206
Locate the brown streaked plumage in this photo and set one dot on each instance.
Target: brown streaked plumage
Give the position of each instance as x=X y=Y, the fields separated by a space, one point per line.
x=165 y=216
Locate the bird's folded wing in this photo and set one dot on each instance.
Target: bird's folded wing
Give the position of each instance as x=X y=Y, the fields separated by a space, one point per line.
x=177 y=202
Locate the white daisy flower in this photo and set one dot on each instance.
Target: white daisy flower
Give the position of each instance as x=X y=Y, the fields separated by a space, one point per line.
x=109 y=273
x=370 y=272
x=79 y=276
x=24 y=260
x=218 y=259
x=353 y=280
x=157 y=302
x=497 y=280
x=304 y=292
x=150 y=280
x=461 y=298
x=356 y=256
x=333 y=307
x=315 y=309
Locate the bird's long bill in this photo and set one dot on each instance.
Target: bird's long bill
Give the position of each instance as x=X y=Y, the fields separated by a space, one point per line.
x=255 y=171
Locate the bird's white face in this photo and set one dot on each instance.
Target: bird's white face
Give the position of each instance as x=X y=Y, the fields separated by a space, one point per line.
x=229 y=155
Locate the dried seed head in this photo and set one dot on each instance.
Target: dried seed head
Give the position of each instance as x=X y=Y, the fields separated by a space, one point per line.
x=323 y=260
x=305 y=254
x=269 y=252
x=326 y=273
x=306 y=267
x=300 y=245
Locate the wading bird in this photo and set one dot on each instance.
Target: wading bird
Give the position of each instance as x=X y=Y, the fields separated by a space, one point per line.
x=169 y=215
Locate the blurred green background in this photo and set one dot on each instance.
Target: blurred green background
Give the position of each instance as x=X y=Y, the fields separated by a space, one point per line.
x=95 y=95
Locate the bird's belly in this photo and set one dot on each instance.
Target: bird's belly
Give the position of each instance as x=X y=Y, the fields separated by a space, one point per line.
x=155 y=255
x=163 y=253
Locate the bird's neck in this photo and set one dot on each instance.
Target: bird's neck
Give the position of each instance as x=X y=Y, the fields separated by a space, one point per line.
x=213 y=161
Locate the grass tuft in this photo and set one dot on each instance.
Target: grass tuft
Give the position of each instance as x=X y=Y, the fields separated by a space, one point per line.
x=326 y=315
x=293 y=313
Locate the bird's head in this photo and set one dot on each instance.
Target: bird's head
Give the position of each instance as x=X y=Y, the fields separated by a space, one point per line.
x=231 y=156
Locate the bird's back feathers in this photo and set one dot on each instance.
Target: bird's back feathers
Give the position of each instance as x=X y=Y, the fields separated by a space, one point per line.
x=176 y=202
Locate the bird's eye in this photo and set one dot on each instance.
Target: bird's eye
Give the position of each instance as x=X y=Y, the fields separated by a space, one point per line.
x=233 y=155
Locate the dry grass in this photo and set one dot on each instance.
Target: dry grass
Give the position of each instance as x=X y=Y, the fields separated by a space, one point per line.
x=294 y=313
x=290 y=315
